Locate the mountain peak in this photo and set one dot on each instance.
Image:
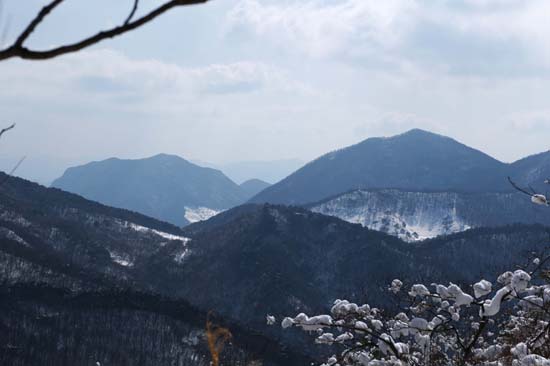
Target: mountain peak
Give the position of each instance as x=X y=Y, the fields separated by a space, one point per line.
x=164 y=156
x=420 y=133
x=253 y=186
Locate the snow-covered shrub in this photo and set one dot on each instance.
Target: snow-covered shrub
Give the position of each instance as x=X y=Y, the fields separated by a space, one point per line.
x=507 y=323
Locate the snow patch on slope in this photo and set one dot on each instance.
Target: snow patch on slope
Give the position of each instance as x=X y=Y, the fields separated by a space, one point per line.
x=195 y=214
x=162 y=234
x=120 y=259
x=178 y=256
x=411 y=216
x=10 y=216
x=8 y=234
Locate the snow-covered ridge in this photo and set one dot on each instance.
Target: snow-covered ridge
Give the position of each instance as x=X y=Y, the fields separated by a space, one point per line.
x=195 y=214
x=411 y=216
x=144 y=229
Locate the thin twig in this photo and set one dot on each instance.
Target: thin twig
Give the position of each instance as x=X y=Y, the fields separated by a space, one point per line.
x=518 y=188
x=132 y=13
x=6 y=129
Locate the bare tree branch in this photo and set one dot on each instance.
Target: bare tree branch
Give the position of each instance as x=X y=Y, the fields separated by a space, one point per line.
x=37 y=20
x=518 y=188
x=19 y=50
x=4 y=130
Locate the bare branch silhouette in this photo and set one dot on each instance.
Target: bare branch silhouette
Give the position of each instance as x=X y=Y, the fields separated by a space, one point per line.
x=17 y=49
x=132 y=13
x=518 y=188
x=34 y=23
x=4 y=130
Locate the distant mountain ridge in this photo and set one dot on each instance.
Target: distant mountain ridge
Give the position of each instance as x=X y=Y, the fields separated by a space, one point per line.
x=253 y=186
x=416 y=160
x=166 y=187
x=269 y=171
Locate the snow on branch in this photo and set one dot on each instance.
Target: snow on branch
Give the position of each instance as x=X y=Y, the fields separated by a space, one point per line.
x=507 y=323
x=537 y=198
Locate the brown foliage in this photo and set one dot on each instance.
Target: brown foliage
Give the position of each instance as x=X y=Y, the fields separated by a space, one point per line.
x=216 y=337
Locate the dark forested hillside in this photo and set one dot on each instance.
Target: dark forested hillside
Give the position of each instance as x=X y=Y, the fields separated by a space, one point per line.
x=42 y=325
x=483 y=252
x=292 y=258
x=46 y=225
x=48 y=326
x=71 y=292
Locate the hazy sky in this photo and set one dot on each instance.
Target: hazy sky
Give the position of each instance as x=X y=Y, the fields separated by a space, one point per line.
x=238 y=80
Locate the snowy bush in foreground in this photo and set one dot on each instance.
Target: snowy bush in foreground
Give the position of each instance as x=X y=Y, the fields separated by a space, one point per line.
x=507 y=323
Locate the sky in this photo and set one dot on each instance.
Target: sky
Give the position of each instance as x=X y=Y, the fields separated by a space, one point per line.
x=265 y=80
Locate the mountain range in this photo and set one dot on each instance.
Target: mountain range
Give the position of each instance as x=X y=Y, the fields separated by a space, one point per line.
x=61 y=254
x=415 y=185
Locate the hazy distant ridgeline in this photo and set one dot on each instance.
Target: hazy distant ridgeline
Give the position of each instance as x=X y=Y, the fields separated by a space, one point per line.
x=166 y=187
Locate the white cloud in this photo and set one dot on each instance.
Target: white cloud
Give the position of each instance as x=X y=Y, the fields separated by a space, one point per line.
x=391 y=31
x=102 y=70
x=322 y=28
